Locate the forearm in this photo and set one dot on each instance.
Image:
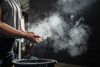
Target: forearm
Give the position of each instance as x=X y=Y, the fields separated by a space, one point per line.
x=22 y=30
x=9 y=31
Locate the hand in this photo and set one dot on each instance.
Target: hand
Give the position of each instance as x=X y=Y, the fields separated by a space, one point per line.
x=32 y=37
x=37 y=39
x=31 y=32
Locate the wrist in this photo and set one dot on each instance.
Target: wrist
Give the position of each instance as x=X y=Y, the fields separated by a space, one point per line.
x=22 y=30
x=24 y=35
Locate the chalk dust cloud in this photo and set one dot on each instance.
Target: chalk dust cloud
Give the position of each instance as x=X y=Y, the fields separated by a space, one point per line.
x=63 y=28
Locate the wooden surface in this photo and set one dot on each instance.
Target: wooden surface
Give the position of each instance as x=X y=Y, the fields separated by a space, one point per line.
x=67 y=65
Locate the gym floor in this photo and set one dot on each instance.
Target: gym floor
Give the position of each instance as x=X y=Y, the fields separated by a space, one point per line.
x=67 y=65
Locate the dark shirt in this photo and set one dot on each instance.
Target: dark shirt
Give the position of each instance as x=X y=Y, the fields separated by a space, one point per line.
x=10 y=13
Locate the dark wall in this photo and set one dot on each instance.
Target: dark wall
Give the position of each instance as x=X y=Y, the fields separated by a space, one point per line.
x=92 y=17
x=38 y=8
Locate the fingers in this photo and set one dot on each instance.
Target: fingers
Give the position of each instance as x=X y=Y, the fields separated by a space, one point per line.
x=38 y=40
x=33 y=38
x=31 y=32
x=37 y=36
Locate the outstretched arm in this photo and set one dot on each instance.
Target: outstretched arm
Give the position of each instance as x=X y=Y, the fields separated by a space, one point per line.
x=10 y=31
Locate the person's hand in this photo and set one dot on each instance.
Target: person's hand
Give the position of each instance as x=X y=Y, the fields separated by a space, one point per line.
x=32 y=37
x=30 y=32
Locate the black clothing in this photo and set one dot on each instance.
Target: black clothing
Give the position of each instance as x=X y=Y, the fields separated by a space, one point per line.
x=7 y=62
x=6 y=50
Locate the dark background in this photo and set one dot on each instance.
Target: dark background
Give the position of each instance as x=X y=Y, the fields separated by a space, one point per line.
x=92 y=19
